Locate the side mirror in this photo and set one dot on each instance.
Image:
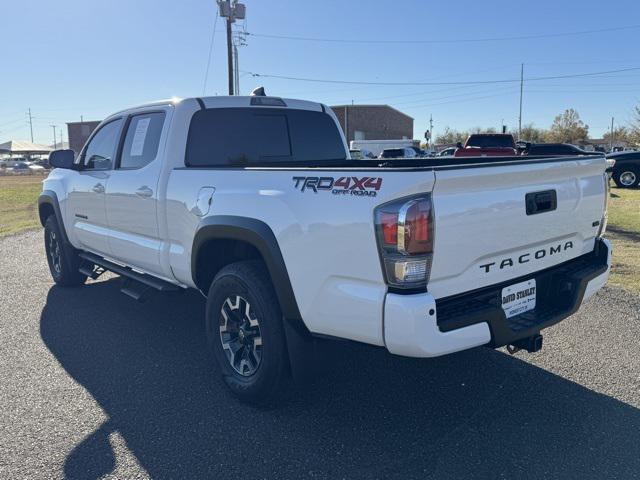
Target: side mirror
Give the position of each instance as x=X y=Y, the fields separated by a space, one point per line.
x=459 y=145
x=62 y=159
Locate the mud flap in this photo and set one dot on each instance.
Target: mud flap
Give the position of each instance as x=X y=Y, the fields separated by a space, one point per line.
x=303 y=351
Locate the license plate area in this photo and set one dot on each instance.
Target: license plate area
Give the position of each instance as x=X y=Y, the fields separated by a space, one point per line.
x=519 y=298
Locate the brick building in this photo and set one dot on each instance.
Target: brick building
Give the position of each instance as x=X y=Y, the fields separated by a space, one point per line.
x=78 y=133
x=373 y=122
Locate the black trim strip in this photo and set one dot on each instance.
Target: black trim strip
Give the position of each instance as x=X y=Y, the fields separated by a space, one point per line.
x=201 y=103
x=409 y=165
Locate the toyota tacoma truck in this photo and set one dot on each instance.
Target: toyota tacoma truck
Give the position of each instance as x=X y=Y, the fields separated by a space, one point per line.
x=255 y=202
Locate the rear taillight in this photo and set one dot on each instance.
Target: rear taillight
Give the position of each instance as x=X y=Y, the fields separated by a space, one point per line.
x=405 y=240
x=605 y=214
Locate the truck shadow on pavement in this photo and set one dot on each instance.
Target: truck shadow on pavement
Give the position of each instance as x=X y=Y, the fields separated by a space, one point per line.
x=477 y=414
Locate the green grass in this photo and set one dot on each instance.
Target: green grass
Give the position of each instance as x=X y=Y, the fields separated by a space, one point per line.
x=18 y=203
x=18 y=212
x=624 y=231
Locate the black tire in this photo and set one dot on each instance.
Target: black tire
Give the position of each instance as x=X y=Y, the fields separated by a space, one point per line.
x=627 y=177
x=62 y=259
x=258 y=371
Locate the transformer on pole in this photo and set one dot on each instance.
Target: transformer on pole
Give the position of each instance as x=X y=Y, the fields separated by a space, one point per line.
x=232 y=11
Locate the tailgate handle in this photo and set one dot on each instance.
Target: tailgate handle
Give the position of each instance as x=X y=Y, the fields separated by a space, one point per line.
x=540 y=202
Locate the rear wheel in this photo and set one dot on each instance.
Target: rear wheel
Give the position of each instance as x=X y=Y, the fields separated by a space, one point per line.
x=628 y=177
x=245 y=332
x=62 y=259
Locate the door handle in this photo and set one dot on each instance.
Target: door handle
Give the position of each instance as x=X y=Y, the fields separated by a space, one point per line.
x=540 y=202
x=144 y=192
x=98 y=188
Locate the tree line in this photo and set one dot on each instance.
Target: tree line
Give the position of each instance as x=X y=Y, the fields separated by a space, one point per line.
x=566 y=128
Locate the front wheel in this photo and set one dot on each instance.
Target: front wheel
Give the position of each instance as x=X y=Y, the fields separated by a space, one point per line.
x=628 y=177
x=245 y=332
x=62 y=259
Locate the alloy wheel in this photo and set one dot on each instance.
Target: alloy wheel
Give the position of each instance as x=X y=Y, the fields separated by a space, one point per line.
x=240 y=335
x=628 y=179
x=54 y=252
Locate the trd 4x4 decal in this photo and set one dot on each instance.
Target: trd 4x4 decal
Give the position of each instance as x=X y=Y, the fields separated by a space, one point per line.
x=358 y=186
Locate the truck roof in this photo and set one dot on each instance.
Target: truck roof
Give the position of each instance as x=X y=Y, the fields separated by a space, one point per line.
x=226 y=101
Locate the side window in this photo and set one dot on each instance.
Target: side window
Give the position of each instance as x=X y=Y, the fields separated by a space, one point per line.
x=142 y=140
x=101 y=149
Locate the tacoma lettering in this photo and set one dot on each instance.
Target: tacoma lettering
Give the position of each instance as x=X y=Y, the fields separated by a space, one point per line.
x=524 y=258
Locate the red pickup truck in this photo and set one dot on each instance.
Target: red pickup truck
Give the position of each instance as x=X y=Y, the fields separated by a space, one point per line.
x=488 y=145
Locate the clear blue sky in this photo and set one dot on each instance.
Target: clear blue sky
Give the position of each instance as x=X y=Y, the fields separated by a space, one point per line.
x=76 y=57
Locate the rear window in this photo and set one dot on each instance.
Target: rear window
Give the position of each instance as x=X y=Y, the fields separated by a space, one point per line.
x=393 y=153
x=490 y=141
x=261 y=136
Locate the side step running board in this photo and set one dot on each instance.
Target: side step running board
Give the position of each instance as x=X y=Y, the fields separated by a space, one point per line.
x=135 y=284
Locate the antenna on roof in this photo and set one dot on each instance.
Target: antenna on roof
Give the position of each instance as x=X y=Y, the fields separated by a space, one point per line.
x=258 y=92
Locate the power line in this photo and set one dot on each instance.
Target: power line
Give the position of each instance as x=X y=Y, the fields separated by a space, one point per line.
x=31 y=124
x=521 y=89
x=213 y=35
x=475 y=82
x=436 y=41
x=19 y=120
x=463 y=100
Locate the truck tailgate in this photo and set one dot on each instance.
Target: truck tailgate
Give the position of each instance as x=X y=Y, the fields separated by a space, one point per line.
x=485 y=234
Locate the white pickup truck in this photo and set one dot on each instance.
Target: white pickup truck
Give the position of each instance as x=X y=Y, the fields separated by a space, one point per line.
x=255 y=202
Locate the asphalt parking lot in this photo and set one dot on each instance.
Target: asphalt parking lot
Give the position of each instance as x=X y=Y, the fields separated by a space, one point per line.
x=94 y=384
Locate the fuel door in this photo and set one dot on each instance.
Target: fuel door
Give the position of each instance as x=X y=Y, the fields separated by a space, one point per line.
x=203 y=201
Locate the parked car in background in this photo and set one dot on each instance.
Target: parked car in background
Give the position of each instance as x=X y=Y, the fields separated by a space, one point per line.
x=626 y=170
x=377 y=146
x=488 y=145
x=447 y=152
x=420 y=152
x=356 y=154
x=19 y=168
x=398 y=153
x=359 y=154
x=554 y=149
x=12 y=162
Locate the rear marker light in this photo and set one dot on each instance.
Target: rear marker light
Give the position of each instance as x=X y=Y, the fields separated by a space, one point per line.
x=405 y=241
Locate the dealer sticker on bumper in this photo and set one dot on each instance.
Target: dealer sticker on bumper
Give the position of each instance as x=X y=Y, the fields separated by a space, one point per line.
x=519 y=298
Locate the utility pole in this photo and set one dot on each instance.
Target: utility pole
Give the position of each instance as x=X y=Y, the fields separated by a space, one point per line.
x=31 y=124
x=229 y=56
x=521 y=88
x=431 y=131
x=231 y=10
x=236 y=76
x=55 y=138
x=611 y=138
x=61 y=139
x=346 y=124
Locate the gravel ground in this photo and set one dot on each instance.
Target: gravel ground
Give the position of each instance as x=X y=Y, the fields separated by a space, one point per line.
x=95 y=385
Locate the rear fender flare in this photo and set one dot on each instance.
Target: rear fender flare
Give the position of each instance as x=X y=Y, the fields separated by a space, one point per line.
x=259 y=235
